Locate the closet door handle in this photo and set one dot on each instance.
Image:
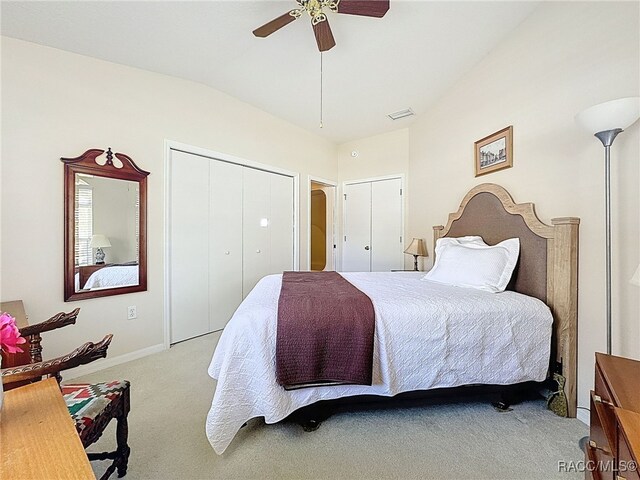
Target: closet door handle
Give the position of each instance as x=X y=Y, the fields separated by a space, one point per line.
x=367 y=247
x=258 y=251
x=227 y=252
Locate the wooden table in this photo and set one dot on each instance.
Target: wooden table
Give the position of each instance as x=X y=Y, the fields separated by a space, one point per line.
x=37 y=436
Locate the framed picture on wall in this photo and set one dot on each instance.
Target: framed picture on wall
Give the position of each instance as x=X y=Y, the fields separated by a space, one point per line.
x=494 y=152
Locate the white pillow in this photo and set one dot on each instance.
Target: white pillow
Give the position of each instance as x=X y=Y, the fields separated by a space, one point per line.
x=469 y=262
x=446 y=241
x=443 y=242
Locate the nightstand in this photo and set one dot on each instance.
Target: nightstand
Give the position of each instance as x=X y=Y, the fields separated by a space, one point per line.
x=86 y=271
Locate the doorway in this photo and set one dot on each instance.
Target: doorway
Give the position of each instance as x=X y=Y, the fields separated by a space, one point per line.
x=322 y=195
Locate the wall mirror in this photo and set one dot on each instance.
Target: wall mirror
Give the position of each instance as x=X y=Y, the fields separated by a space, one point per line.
x=105 y=218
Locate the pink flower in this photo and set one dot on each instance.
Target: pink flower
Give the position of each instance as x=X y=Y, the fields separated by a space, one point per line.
x=9 y=334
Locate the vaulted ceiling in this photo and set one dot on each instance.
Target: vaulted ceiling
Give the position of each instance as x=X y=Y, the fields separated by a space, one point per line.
x=406 y=59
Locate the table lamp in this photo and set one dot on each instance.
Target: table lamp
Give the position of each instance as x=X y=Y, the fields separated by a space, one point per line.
x=99 y=242
x=416 y=248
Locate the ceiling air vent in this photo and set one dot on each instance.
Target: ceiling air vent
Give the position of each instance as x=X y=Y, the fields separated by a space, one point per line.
x=401 y=114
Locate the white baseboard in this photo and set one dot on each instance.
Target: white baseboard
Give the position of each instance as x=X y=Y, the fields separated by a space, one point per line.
x=111 y=362
x=583 y=416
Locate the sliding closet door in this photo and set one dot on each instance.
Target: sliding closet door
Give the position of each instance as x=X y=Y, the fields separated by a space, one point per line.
x=267 y=219
x=255 y=227
x=386 y=226
x=231 y=225
x=225 y=242
x=189 y=246
x=281 y=223
x=356 y=255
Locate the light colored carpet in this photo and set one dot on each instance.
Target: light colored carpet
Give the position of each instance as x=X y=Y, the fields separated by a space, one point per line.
x=171 y=394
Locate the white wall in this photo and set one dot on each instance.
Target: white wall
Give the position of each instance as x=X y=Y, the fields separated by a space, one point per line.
x=384 y=154
x=58 y=104
x=562 y=59
x=114 y=209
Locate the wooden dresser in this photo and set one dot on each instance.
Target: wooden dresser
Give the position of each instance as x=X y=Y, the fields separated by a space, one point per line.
x=613 y=450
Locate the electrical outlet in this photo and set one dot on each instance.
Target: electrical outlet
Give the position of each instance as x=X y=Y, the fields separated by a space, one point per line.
x=132 y=313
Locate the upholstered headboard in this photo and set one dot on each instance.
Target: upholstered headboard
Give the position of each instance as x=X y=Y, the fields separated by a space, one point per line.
x=547 y=268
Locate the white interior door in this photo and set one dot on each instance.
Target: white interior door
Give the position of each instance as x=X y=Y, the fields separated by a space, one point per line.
x=189 y=246
x=255 y=212
x=356 y=253
x=386 y=225
x=225 y=242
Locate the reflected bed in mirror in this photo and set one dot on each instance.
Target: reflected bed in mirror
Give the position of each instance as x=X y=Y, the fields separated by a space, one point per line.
x=105 y=225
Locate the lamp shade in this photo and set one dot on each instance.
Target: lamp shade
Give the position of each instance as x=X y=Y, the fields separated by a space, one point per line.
x=636 y=277
x=99 y=241
x=417 y=247
x=620 y=113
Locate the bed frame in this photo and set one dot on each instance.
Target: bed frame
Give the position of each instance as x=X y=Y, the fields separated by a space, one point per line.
x=547 y=268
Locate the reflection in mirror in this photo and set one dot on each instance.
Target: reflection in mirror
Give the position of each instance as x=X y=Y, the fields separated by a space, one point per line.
x=105 y=218
x=107 y=232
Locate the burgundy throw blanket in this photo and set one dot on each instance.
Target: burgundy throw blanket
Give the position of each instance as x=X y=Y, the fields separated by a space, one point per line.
x=325 y=331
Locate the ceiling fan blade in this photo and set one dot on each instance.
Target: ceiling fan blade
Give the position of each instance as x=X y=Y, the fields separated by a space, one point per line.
x=367 y=8
x=324 y=36
x=274 y=25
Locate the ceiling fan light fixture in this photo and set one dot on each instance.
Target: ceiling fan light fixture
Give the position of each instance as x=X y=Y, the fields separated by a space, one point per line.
x=407 y=112
x=317 y=11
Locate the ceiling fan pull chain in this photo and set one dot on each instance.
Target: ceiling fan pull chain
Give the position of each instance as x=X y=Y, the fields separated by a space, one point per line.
x=321 y=124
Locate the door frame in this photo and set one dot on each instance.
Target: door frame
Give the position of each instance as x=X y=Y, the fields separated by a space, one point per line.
x=170 y=145
x=327 y=183
x=400 y=176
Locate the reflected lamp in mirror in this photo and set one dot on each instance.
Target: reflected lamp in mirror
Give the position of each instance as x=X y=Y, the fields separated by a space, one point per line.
x=417 y=248
x=99 y=242
x=635 y=280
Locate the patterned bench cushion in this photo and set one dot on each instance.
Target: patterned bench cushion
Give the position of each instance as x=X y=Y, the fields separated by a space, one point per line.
x=86 y=401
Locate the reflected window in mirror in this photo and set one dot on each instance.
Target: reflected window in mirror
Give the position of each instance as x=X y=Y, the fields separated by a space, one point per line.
x=105 y=225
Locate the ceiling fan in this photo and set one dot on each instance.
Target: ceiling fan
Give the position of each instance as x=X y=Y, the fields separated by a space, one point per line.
x=319 y=21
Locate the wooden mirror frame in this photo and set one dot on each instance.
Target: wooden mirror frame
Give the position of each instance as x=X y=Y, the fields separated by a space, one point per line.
x=87 y=163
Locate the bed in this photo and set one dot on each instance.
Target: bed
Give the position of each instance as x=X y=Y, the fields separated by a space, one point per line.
x=427 y=335
x=113 y=276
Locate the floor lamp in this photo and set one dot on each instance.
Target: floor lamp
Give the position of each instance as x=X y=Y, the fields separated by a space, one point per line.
x=606 y=121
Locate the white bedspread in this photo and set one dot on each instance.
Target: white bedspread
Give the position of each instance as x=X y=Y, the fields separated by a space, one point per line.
x=113 y=276
x=427 y=336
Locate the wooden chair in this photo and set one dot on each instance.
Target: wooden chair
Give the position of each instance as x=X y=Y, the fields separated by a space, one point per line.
x=92 y=406
x=32 y=350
